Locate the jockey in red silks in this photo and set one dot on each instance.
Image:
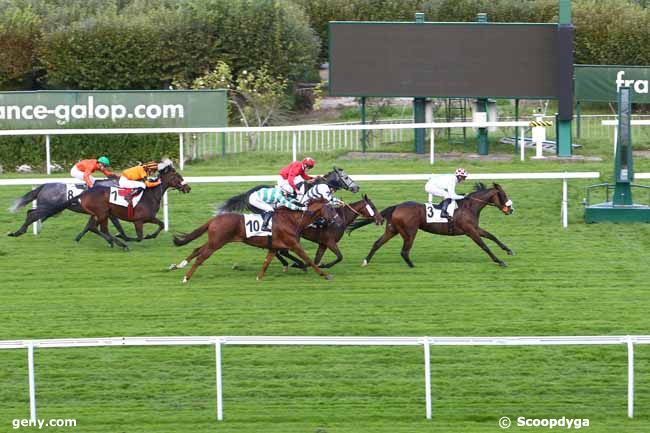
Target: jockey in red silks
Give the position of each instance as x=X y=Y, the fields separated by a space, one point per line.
x=295 y=172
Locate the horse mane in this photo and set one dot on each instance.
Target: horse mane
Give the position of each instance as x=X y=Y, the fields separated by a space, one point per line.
x=237 y=203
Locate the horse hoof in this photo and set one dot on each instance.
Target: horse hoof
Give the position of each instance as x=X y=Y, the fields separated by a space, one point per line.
x=235 y=267
x=503 y=264
x=364 y=264
x=185 y=280
x=172 y=267
x=304 y=269
x=285 y=269
x=329 y=277
x=511 y=253
x=13 y=235
x=258 y=279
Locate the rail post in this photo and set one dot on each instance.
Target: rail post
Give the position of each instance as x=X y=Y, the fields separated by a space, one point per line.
x=32 y=384
x=217 y=350
x=427 y=376
x=630 y=377
x=48 y=156
x=565 y=202
x=181 y=151
x=36 y=224
x=294 y=148
x=166 y=211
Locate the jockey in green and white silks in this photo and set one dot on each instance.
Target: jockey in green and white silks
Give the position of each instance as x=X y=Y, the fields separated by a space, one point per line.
x=266 y=200
x=444 y=185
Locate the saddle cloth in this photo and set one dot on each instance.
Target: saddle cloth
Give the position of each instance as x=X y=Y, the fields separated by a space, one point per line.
x=118 y=197
x=253 y=225
x=433 y=212
x=74 y=189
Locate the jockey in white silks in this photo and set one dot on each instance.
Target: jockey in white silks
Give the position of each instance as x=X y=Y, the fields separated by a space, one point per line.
x=444 y=185
x=321 y=191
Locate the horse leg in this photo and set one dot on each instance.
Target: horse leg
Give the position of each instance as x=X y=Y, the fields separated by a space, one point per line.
x=297 y=248
x=285 y=264
x=265 y=265
x=409 y=238
x=388 y=235
x=29 y=220
x=320 y=253
x=335 y=249
x=122 y=234
x=490 y=236
x=155 y=234
x=139 y=225
x=103 y=224
x=188 y=259
x=476 y=237
x=297 y=263
x=204 y=253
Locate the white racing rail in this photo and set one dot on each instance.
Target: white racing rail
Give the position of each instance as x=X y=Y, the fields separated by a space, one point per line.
x=425 y=342
x=296 y=129
x=564 y=176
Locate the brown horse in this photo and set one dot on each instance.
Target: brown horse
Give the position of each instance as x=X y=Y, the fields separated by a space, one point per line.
x=95 y=202
x=229 y=227
x=328 y=237
x=407 y=218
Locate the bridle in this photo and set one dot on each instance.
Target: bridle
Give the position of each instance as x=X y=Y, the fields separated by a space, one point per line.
x=489 y=203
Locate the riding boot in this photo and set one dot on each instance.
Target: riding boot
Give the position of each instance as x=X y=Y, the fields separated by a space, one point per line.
x=443 y=208
x=266 y=219
x=133 y=193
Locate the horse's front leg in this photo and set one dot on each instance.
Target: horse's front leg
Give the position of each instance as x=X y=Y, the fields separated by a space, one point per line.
x=297 y=248
x=161 y=226
x=335 y=249
x=285 y=264
x=122 y=234
x=490 y=236
x=476 y=237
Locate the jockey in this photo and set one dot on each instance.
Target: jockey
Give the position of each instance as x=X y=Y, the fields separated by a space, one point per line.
x=444 y=185
x=322 y=191
x=266 y=200
x=297 y=170
x=138 y=177
x=86 y=167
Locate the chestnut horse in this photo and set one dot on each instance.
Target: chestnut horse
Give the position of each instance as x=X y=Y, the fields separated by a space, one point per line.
x=229 y=227
x=409 y=217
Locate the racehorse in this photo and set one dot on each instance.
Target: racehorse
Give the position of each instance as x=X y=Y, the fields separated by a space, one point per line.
x=53 y=194
x=327 y=237
x=337 y=178
x=229 y=227
x=95 y=202
x=409 y=217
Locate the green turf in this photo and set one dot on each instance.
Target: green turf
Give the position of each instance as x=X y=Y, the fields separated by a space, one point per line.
x=587 y=280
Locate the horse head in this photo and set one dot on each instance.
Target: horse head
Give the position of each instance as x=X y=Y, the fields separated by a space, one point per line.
x=370 y=211
x=501 y=200
x=338 y=178
x=171 y=178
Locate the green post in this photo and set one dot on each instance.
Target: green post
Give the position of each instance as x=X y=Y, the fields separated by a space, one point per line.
x=564 y=126
x=419 y=108
x=578 y=119
x=364 y=133
x=623 y=167
x=223 y=144
x=481 y=107
x=516 y=127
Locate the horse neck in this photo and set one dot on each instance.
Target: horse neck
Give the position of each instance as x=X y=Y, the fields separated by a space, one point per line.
x=482 y=199
x=299 y=220
x=348 y=214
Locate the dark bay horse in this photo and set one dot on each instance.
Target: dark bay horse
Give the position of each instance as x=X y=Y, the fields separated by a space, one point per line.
x=407 y=218
x=95 y=202
x=337 y=177
x=229 y=227
x=327 y=237
x=52 y=194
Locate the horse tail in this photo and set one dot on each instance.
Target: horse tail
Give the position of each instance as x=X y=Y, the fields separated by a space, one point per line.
x=43 y=212
x=29 y=197
x=237 y=203
x=386 y=213
x=184 y=239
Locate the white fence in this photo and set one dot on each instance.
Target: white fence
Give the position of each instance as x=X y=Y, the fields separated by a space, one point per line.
x=425 y=342
x=564 y=176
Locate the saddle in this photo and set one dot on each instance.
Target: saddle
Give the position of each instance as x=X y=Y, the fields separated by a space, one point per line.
x=129 y=194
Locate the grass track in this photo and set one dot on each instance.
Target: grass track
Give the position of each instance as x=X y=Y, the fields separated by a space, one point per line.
x=582 y=281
